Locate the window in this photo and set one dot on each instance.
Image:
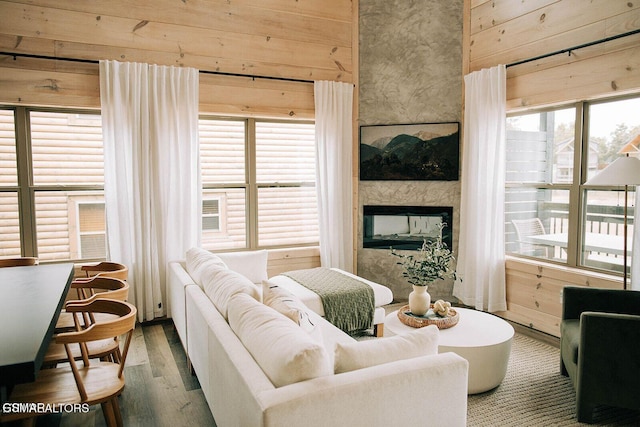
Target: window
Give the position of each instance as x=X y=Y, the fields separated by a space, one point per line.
x=285 y=180
x=211 y=215
x=9 y=216
x=91 y=230
x=258 y=184
x=51 y=184
x=262 y=175
x=549 y=212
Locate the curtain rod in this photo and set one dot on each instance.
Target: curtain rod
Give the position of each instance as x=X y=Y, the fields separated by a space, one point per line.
x=93 y=61
x=570 y=49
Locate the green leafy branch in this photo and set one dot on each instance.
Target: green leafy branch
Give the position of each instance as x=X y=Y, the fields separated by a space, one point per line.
x=432 y=262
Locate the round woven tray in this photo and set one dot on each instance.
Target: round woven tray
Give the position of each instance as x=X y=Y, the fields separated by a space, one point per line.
x=431 y=318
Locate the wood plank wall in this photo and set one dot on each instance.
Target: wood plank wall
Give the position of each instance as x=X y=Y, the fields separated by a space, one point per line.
x=534 y=292
x=506 y=31
x=281 y=260
x=294 y=39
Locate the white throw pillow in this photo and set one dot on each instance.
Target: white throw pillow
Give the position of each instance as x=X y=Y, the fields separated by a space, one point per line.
x=286 y=303
x=221 y=285
x=362 y=354
x=284 y=352
x=200 y=262
x=251 y=264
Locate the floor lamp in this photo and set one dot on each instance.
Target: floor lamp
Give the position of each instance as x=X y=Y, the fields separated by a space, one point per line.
x=623 y=171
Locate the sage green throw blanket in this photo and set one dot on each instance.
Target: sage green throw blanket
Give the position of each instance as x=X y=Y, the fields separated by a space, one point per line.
x=348 y=303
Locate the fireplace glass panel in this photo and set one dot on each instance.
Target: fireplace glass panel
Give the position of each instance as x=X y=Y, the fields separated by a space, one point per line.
x=405 y=227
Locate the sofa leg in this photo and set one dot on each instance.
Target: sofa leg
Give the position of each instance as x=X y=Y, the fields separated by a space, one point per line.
x=378 y=330
x=190 y=366
x=584 y=412
x=563 y=368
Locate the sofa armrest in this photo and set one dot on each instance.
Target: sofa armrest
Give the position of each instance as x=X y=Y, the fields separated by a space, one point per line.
x=608 y=358
x=579 y=299
x=177 y=280
x=608 y=339
x=364 y=396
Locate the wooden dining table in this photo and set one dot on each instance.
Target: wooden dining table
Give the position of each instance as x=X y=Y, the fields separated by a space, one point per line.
x=30 y=302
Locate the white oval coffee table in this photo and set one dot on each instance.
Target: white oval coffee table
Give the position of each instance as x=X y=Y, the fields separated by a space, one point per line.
x=481 y=338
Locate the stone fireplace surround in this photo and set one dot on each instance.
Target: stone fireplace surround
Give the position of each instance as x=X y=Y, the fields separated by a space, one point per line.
x=410 y=56
x=377 y=264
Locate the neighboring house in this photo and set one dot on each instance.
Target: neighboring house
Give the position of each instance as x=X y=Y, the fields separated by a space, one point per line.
x=70 y=212
x=632 y=148
x=564 y=153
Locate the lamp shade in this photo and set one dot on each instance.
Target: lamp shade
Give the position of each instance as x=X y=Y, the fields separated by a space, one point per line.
x=623 y=171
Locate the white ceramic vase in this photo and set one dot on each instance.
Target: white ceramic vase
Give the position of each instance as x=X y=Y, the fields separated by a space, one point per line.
x=419 y=300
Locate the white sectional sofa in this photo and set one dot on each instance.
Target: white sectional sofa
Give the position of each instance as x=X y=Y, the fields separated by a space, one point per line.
x=282 y=364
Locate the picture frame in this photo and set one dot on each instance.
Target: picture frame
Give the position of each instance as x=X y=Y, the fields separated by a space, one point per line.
x=420 y=152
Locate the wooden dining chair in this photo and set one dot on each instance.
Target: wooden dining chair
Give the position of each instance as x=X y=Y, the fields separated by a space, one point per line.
x=18 y=262
x=105 y=269
x=107 y=349
x=90 y=381
x=107 y=287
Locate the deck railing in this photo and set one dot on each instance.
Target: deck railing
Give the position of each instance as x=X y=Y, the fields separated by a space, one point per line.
x=601 y=219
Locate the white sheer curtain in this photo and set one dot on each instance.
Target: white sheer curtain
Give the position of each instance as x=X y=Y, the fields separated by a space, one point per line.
x=481 y=259
x=635 y=258
x=152 y=174
x=333 y=107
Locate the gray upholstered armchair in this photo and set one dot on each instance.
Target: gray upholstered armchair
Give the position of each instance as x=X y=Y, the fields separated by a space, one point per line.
x=600 y=347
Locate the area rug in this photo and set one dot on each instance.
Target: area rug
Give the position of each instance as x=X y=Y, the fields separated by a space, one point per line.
x=534 y=393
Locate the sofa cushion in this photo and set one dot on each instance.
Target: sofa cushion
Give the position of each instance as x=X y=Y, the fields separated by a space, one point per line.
x=200 y=263
x=251 y=264
x=362 y=354
x=284 y=352
x=284 y=302
x=221 y=284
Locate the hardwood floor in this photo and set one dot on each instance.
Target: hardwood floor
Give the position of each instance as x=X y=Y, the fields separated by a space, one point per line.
x=159 y=390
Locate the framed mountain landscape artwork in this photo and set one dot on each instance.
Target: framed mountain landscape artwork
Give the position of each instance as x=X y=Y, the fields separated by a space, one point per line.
x=422 y=152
